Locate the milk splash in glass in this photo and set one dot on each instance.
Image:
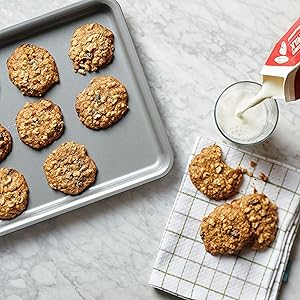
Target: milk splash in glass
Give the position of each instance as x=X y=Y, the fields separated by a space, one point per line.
x=255 y=125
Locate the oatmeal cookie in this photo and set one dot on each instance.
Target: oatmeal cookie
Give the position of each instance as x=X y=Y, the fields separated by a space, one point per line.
x=212 y=176
x=102 y=103
x=91 y=47
x=40 y=123
x=13 y=193
x=32 y=69
x=226 y=230
x=5 y=142
x=263 y=217
x=69 y=169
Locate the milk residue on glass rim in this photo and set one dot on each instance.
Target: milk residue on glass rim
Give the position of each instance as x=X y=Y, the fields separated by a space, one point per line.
x=246 y=126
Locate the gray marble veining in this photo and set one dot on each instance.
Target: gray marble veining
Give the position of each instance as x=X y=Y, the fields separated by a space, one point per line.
x=190 y=52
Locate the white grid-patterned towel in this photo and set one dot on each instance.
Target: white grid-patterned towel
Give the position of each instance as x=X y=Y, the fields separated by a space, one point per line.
x=185 y=269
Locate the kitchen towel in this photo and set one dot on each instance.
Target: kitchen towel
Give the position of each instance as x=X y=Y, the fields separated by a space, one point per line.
x=185 y=269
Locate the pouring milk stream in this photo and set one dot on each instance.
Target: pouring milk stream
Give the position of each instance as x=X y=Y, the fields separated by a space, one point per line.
x=281 y=72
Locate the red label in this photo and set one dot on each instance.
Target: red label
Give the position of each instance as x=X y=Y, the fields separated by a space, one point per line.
x=286 y=52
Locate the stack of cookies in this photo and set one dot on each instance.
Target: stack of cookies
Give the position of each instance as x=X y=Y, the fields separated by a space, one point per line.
x=250 y=221
x=33 y=70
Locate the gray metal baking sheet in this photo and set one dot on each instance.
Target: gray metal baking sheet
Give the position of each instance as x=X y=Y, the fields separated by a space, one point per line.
x=132 y=152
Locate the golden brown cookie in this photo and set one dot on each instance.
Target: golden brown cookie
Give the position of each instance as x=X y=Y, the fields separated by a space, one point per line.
x=226 y=230
x=13 y=193
x=91 y=47
x=32 y=69
x=263 y=217
x=102 y=103
x=212 y=176
x=69 y=169
x=5 y=142
x=40 y=123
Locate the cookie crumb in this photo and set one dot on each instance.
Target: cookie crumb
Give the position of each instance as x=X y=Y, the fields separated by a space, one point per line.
x=244 y=170
x=253 y=164
x=263 y=177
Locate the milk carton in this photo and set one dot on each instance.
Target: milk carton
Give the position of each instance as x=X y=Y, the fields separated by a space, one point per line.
x=283 y=65
x=281 y=71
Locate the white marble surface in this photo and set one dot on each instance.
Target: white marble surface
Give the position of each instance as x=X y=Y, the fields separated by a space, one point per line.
x=190 y=51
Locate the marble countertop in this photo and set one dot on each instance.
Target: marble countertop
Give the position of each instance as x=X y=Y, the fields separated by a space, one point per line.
x=190 y=53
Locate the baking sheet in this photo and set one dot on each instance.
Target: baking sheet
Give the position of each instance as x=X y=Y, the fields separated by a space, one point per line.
x=132 y=152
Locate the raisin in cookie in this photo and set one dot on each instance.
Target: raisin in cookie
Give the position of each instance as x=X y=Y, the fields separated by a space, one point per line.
x=13 y=193
x=103 y=103
x=32 y=69
x=212 y=176
x=263 y=217
x=5 y=142
x=226 y=230
x=40 y=123
x=69 y=169
x=91 y=47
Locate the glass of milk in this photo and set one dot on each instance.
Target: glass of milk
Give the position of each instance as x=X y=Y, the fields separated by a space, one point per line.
x=255 y=125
